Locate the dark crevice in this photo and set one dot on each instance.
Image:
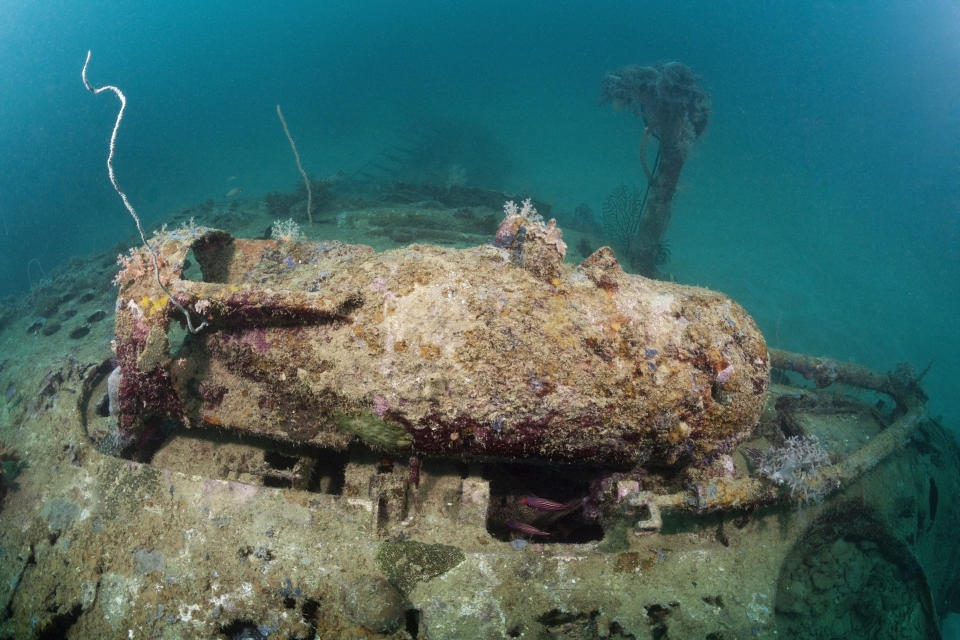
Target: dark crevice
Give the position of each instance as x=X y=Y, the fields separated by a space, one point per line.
x=329 y=472
x=541 y=503
x=242 y=629
x=933 y=499
x=556 y=617
x=617 y=631
x=311 y=610
x=279 y=461
x=60 y=624
x=277 y=482
x=413 y=623
x=31 y=561
x=658 y=614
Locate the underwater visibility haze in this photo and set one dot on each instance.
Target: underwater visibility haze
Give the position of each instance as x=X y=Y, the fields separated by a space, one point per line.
x=374 y=374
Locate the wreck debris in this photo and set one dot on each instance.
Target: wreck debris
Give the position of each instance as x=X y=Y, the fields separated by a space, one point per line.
x=464 y=353
x=903 y=385
x=729 y=492
x=478 y=353
x=675 y=109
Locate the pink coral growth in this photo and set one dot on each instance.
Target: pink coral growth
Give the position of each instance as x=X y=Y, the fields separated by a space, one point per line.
x=725 y=374
x=132 y=267
x=380 y=405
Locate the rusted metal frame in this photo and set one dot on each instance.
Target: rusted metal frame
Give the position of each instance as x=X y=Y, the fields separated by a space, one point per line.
x=825 y=371
x=738 y=493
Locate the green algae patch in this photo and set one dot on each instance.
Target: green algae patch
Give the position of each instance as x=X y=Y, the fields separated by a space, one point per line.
x=615 y=538
x=378 y=433
x=409 y=563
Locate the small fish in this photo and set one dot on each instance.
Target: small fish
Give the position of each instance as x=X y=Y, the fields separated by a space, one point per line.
x=234 y=192
x=231 y=178
x=542 y=504
x=525 y=528
x=557 y=510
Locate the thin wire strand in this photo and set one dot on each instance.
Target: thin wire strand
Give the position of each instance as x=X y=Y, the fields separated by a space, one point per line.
x=306 y=180
x=123 y=196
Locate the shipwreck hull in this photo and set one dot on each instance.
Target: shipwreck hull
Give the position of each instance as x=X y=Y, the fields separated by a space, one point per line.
x=485 y=352
x=429 y=551
x=264 y=487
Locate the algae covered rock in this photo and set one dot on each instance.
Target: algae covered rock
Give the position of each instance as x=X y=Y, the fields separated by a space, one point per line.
x=372 y=602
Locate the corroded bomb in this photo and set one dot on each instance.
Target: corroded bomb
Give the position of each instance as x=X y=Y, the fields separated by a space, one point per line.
x=498 y=351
